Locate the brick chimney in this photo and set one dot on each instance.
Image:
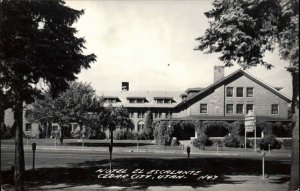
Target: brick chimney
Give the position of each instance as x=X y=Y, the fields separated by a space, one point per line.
x=218 y=73
x=125 y=86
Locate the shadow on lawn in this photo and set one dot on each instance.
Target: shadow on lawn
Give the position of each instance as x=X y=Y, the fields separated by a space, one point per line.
x=107 y=144
x=80 y=174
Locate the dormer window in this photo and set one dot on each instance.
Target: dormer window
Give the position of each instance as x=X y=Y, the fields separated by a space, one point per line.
x=166 y=100
x=111 y=100
x=137 y=100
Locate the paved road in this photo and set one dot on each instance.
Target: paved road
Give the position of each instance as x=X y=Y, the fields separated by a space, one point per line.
x=63 y=158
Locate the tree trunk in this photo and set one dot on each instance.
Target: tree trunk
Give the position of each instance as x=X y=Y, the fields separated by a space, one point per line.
x=20 y=165
x=1 y=117
x=61 y=135
x=294 y=183
x=111 y=147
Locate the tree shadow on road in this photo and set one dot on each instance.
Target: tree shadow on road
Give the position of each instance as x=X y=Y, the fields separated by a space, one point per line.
x=82 y=174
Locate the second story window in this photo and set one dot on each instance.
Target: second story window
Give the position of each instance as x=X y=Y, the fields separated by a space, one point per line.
x=239 y=108
x=28 y=127
x=229 y=108
x=239 y=92
x=249 y=92
x=275 y=109
x=203 y=108
x=229 y=92
x=249 y=107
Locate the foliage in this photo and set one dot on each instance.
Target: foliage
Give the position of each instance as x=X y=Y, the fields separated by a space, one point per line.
x=163 y=133
x=266 y=127
x=148 y=131
x=282 y=129
x=271 y=140
x=124 y=134
x=40 y=46
x=115 y=117
x=215 y=128
x=77 y=104
x=240 y=34
x=286 y=143
x=233 y=140
x=201 y=141
x=236 y=128
x=7 y=132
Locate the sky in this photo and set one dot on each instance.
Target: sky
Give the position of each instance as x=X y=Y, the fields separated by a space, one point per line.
x=150 y=44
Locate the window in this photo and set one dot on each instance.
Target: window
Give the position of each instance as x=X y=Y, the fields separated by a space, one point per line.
x=239 y=108
x=131 y=114
x=249 y=92
x=27 y=112
x=168 y=114
x=229 y=92
x=249 y=108
x=141 y=114
x=160 y=101
x=140 y=101
x=54 y=128
x=167 y=101
x=140 y=126
x=203 y=108
x=229 y=108
x=239 y=92
x=159 y=114
x=28 y=126
x=131 y=100
x=275 y=109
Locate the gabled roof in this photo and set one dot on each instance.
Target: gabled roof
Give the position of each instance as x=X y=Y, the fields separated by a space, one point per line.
x=232 y=75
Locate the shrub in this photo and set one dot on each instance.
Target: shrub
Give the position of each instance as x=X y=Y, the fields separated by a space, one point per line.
x=269 y=140
x=7 y=132
x=76 y=134
x=201 y=141
x=233 y=140
x=142 y=136
x=98 y=135
x=286 y=143
x=124 y=134
x=54 y=134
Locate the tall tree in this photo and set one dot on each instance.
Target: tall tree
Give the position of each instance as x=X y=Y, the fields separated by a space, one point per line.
x=242 y=31
x=38 y=43
x=77 y=104
x=114 y=117
x=148 y=125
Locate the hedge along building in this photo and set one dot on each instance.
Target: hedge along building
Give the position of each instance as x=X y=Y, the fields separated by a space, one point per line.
x=227 y=99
